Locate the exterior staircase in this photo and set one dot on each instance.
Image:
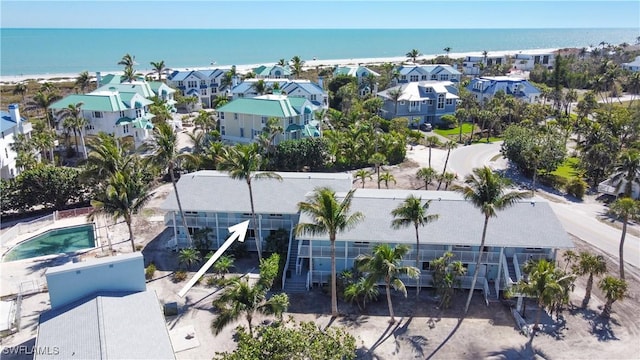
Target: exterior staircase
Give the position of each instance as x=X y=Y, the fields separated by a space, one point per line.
x=512 y=271
x=294 y=283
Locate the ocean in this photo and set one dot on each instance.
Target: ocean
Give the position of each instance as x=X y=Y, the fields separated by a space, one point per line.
x=70 y=51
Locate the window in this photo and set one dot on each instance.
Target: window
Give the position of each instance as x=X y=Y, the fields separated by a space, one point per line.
x=97 y=114
x=222 y=115
x=214 y=90
x=403 y=77
x=121 y=114
x=402 y=102
x=449 y=101
x=264 y=120
x=290 y=121
x=426 y=266
x=241 y=132
x=235 y=116
x=361 y=244
x=313 y=97
x=424 y=101
x=203 y=83
x=138 y=112
x=180 y=83
x=6 y=153
x=125 y=128
x=414 y=78
x=204 y=91
x=222 y=130
x=461 y=247
x=414 y=103
x=440 y=101
x=192 y=84
x=423 y=77
x=444 y=77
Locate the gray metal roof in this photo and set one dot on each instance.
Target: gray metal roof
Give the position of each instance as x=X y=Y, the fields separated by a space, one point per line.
x=526 y=224
x=215 y=191
x=106 y=326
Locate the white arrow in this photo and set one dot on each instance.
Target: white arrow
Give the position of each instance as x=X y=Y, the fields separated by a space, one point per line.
x=238 y=231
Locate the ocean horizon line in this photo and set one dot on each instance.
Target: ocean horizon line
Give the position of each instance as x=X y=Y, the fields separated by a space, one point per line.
x=323 y=28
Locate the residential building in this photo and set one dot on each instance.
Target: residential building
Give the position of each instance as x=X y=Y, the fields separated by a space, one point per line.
x=421 y=102
x=118 y=108
x=435 y=72
x=205 y=84
x=292 y=88
x=11 y=124
x=273 y=72
x=617 y=188
x=528 y=61
x=484 y=88
x=100 y=309
x=243 y=119
x=528 y=230
x=473 y=65
x=633 y=66
x=366 y=78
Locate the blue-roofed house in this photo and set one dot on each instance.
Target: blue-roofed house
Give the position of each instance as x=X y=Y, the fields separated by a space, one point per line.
x=11 y=124
x=486 y=87
x=118 y=109
x=205 y=84
x=243 y=119
x=272 y=72
x=435 y=72
x=421 y=102
x=292 y=88
x=367 y=78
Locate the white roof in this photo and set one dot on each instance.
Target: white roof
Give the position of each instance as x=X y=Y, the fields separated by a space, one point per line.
x=415 y=91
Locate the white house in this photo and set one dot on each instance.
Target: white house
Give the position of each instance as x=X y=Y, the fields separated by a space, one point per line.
x=471 y=65
x=632 y=66
x=527 y=61
x=435 y=72
x=484 y=88
x=243 y=119
x=206 y=84
x=11 y=125
x=292 y=88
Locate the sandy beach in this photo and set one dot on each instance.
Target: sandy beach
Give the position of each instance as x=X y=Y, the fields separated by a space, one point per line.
x=309 y=64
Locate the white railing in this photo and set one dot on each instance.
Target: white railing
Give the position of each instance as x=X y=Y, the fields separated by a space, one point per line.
x=298 y=259
x=505 y=271
x=524 y=257
x=286 y=264
x=225 y=222
x=485 y=290
x=26 y=227
x=308 y=280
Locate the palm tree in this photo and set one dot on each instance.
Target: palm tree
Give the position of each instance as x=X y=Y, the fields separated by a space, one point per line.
x=447 y=178
x=448 y=145
x=43 y=99
x=159 y=68
x=413 y=54
x=129 y=75
x=83 y=80
x=282 y=62
x=614 y=289
x=125 y=195
x=543 y=282
x=329 y=216
x=188 y=257
x=447 y=50
x=624 y=209
x=627 y=171
x=431 y=141
x=20 y=89
x=223 y=265
x=591 y=265
x=377 y=160
x=413 y=212
x=296 y=65
x=128 y=61
x=426 y=174
x=385 y=264
x=105 y=157
x=386 y=177
x=243 y=162
x=486 y=190
x=73 y=119
x=240 y=298
x=395 y=95
x=362 y=175
x=165 y=155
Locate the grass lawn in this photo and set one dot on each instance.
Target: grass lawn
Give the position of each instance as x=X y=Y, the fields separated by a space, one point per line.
x=466 y=129
x=567 y=169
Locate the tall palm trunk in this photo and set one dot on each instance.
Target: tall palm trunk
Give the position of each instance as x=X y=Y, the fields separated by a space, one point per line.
x=334 y=288
x=175 y=189
x=84 y=148
x=75 y=138
x=417 y=261
x=477 y=269
x=388 y=286
x=256 y=234
x=536 y=326
x=249 y=319
x=621 y=249
x=444 y=170
x=587 y=294
x=607 y=308
x=378 y=173
x=127 y=219
x=429 y=157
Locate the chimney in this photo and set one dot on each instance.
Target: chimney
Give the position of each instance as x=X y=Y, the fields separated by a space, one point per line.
x=14 y=110
x=98 y=79
x=320 y=78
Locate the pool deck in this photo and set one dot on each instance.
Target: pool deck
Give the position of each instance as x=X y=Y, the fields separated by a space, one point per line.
x=31 y=271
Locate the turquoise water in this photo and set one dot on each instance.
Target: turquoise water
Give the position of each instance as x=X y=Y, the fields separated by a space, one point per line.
x=65 y=51
x=65 y=240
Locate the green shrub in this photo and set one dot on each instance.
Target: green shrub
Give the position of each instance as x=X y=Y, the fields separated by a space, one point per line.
x=179 y=276
x=211 y=281
x=150 y=271
x=577 y=188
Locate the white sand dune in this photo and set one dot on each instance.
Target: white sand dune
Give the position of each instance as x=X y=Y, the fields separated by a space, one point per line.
x=309 y=64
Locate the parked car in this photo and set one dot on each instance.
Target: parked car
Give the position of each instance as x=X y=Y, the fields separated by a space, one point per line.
x=426 y=127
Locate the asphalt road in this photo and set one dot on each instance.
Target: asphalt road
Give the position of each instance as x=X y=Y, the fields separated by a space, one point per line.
x=580 y=219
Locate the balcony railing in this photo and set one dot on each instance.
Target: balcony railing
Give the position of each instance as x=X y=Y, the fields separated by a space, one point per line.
x=225 y=222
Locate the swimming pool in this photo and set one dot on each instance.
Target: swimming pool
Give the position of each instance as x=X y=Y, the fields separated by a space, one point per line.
x=56 y=241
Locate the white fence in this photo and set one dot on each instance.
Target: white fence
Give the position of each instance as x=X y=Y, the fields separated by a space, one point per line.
x=26 y=227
